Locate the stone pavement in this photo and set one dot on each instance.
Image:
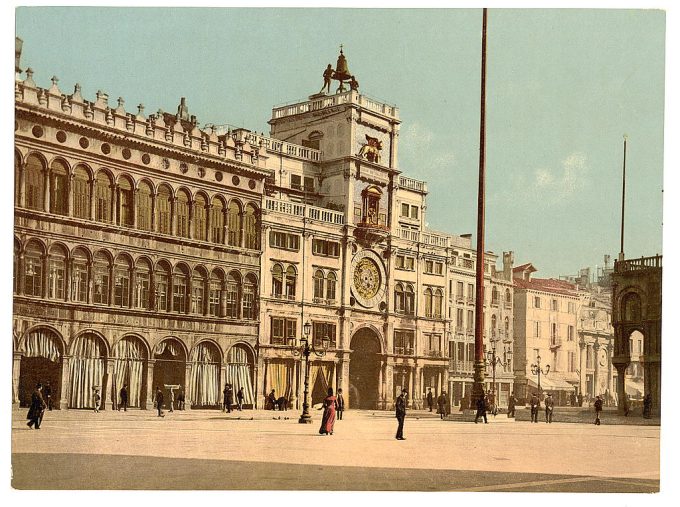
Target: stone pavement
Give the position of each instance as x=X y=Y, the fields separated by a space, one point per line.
x=213 y=450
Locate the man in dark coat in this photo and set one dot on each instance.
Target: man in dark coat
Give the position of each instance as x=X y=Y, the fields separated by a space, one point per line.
x=598 y=409
x=481 y=409
x=429 y=398
x=271 y=399
x=647 y=406
x=159 y=401
x=180 y=399
x=229 y=398
x=240 y=396
x=340 y=404
x=512 y=401
x=47 y=395
x=549 y=406
x=441 y=405
x=400 y=406
x=38 y=405
x=123 y=398
x=535 y=404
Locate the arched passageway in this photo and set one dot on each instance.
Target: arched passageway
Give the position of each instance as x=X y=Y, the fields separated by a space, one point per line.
x=364 y=369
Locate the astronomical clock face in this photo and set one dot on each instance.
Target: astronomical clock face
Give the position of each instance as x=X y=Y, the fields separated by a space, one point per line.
x=368 y=278
x=603 y=357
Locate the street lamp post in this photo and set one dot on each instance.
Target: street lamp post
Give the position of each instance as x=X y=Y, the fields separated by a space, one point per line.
x=494 y=360
x=304 y=350
x=537 y=370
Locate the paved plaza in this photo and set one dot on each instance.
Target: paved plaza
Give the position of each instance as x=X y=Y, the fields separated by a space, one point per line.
x=271 y=451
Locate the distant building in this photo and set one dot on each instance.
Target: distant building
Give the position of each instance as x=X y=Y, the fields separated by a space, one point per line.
x=546 y=315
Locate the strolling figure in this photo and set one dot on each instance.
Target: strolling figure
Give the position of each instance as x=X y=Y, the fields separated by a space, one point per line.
x=159 y=401
x=229 y=398
x=535 y=404
x=441 y=405
x=430 y=398
x=341 y=404
x=97 y=399
x=512 y=401
x=271 y=399
x=598 y=409
x=549 y=405
x=481 y=409
x=47 y=395
x=239 y=399
x=401 y=413
x=123 y=398
x=180 y=399
x=330 y=404
x=37 y=409
x=172 y=399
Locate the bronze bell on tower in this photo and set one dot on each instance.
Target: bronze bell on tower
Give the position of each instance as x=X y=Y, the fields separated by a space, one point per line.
x=341 y=69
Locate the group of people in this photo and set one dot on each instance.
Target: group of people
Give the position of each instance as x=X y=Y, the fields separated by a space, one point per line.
x=535 y=405
x=228 y=398
x=159 y=400
x=443 y=405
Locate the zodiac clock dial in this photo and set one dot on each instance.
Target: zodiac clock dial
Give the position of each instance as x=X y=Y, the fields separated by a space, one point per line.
x=368 y=278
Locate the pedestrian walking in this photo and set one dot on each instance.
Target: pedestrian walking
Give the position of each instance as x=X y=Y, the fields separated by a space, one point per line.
x=180 y=398
x=37 y=408
x=401 y=413
x=224 y=398
x=535 y=405
x=47 y=395
x=239 y=398
x=647 y=406
x=549 y=405
x=580 y=399
x=159 y=401
x=481 y=409
x=626 y=405
x=491 y=403
x=341 y=404
x=123 y=398
x=172 y=399
x=96 y=399
x=429 y=398
x=598 y=409
x=512 y=401
x=330 y=404
x=229 y=398
x=441 y=405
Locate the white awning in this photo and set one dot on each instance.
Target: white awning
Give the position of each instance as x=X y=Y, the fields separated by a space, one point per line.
x=554 y=384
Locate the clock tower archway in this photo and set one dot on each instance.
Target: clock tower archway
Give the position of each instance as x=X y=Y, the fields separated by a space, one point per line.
x=365 y=363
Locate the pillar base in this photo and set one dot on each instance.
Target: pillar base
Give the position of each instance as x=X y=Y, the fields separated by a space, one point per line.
x=305 y=419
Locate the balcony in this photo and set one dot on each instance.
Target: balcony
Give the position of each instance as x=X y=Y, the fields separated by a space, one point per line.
x=403 y=351
x=411 y=184
x=434 y=353
x=641 y=264
x=304 y=211
x=555 y=342
x=337 y=99
x=461 y=367
x=371 y=232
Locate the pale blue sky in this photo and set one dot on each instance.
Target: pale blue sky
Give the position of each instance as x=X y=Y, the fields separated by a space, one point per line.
x=563 y=88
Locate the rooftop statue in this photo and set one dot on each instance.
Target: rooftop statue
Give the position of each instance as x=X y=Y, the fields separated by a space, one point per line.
x=341 y=73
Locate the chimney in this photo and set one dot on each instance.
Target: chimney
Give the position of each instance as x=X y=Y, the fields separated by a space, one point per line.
x=183 y=110
x=508 y=260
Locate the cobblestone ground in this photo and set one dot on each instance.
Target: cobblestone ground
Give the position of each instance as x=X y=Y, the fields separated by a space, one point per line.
x=270 y=450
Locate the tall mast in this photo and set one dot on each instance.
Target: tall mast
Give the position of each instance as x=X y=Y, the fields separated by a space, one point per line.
x=623 y=197
x=478 y=386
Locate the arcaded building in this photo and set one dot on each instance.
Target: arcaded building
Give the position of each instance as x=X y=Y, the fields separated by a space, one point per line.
x=151 y=252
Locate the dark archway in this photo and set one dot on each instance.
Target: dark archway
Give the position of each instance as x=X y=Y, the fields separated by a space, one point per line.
x=170 y=366
x=364 y=369
x=42 y=362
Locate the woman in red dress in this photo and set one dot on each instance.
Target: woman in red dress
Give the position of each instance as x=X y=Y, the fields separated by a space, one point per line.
x=330 y=403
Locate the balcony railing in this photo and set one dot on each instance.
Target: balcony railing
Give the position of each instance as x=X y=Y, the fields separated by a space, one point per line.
x=555 y=342
x=403 y=351
x=434 y=353
x=638 y=264
x=328 y=101
x=411 y=184
x=457 y=366
x=304 y=210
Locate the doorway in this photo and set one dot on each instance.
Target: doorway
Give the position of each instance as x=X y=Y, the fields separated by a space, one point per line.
x=364 y=369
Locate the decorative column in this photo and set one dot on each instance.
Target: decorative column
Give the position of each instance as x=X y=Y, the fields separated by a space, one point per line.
x=208 y=222
x=173 y=216
x=65 y=386
x=190 y=224
x=265 y=381
x=93 y=198
x=46 y=190
x=621 y=386
x=148 y=403
x=389 y=378
x=596 y=374
x=69 y=190
x=135 y=196
x=16 y=370
x=188 y=391
x=381 y=397
x=295 y=385
x=114 y=204
x=109 y=385
x=22 y=186
x=21 y=286
x=417 y=394
x=582 y=368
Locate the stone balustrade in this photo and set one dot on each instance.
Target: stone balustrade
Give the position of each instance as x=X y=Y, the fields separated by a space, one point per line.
x=303 y=210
